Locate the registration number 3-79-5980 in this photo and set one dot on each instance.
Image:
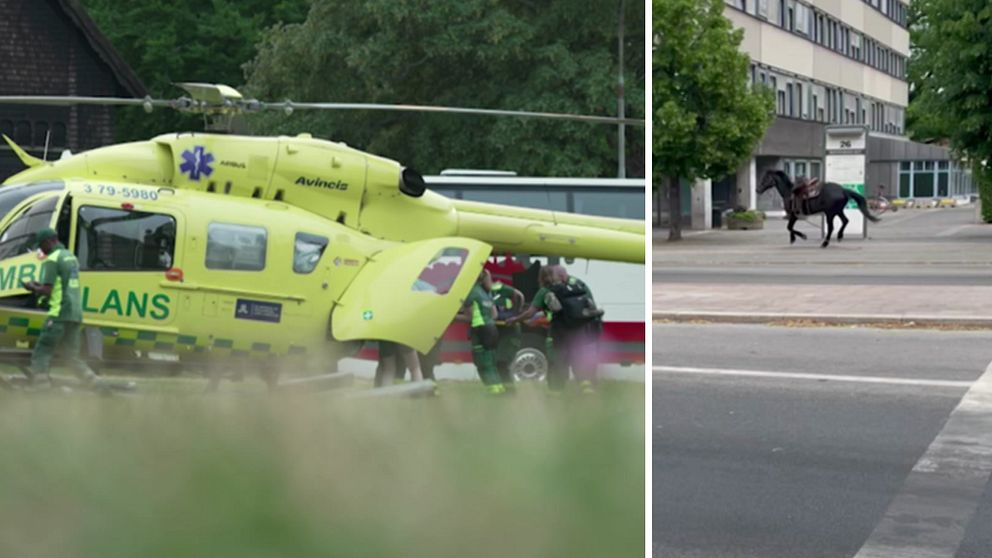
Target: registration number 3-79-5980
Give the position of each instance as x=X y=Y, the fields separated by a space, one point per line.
x=121 y=191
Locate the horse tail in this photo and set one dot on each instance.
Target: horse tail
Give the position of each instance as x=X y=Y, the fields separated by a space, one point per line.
x=862 y=204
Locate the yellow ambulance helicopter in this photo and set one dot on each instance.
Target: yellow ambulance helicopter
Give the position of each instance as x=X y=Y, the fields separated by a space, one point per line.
x=197 y=245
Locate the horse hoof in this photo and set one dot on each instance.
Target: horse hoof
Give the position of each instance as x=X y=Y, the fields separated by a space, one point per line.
x=824 y=245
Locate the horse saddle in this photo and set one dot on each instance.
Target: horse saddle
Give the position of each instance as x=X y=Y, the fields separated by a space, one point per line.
x=805 y=190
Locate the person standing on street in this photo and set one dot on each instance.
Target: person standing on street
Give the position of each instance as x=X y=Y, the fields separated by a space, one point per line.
x=59 y=289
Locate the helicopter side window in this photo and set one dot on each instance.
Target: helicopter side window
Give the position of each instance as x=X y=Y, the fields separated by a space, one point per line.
x=117 y=240
x=307 y=251
x=236 y=247
x=19 y=236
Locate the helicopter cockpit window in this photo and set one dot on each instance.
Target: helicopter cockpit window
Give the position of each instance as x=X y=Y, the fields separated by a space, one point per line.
x=13 y=195
x=307 y=251
x=236 y=247
x=440 y=274
x=19 y=235
x=117 y=240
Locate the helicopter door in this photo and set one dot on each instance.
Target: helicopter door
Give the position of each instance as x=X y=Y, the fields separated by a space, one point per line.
x=410 y=293
x=123 y=258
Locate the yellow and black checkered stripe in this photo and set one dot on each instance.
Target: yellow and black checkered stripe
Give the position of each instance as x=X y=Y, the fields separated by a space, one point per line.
x=157 y=341
x=21 y=327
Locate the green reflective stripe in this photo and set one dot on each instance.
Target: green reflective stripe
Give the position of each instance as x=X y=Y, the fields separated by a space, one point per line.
x=477 y=319
x=55 y=301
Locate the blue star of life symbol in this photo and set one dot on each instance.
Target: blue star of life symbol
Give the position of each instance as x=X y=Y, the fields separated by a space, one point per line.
x=196 y=162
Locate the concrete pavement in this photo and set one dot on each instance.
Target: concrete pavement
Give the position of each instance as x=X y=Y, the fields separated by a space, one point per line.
x=812 y=458
x=922 y=266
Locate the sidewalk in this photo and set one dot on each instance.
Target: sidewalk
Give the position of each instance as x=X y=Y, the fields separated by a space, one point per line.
x=966 y=305
x=926 y=267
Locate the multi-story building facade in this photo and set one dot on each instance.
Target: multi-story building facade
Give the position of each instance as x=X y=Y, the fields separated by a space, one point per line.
x=830 y=63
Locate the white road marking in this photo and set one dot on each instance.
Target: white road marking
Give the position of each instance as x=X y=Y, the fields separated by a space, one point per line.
x=929 y=517
x=953 y=230
x=806 y=376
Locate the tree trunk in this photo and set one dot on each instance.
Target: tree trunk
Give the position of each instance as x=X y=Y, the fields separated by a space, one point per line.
x=674 y=209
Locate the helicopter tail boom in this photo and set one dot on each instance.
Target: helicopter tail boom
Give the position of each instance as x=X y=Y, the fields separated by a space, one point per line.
x=567 y=235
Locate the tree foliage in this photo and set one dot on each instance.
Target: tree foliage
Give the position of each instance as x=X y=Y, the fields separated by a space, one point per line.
x=508 y=54
x=950 y=72
x=707 y=120
x=169 y=41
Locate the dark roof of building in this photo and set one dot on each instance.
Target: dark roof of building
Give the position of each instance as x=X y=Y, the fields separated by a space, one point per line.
x=122 y=71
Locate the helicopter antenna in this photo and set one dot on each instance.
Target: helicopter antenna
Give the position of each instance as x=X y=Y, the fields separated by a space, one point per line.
x=48 y=136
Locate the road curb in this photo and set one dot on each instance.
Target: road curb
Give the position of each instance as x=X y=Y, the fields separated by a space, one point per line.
x=918 y=321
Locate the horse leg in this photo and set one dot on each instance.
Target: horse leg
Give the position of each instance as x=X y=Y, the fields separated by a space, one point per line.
x=830 y=231
x=792 y=221
x=792 y=232
x=843 y=225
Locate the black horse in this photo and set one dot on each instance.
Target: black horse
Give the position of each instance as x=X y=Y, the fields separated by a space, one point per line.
x=832 y=200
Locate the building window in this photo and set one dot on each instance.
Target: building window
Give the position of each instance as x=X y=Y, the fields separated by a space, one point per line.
x=22 y=133
x=763 y=8
x=943 y=179
x=799 y=101
x=59 y=138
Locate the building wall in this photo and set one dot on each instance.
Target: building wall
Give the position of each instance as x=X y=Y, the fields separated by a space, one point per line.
x=828 y=62
x=42 y=52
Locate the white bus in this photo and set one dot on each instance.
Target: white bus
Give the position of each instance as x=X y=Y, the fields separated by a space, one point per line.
x=617 y=287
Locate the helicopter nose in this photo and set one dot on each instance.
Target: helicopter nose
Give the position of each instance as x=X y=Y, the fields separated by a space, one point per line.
x=412 y=183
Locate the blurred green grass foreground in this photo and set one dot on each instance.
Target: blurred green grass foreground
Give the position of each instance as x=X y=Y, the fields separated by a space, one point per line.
x=174 y=472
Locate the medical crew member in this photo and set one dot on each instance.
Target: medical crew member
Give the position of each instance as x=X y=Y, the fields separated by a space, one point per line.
x=59 y=287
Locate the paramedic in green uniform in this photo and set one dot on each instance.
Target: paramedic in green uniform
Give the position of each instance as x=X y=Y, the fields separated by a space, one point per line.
x=566 y=347
x=480 y=314
x=59 y=286
x=545 y=278
x=509 y=302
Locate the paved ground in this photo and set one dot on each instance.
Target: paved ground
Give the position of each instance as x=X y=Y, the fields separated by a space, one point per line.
x=916 y=263
x=780 y=442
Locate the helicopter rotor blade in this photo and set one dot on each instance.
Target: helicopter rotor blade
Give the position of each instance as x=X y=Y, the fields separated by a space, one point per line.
x=186 y=104
x=452 y=110
x=67 y=101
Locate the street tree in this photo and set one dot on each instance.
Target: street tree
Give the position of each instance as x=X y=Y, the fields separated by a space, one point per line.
x=707 y=119
x=950 y=73
x=504 y=54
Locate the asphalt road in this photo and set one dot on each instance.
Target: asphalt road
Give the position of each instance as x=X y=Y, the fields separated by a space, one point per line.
x=912 y=247
x=816 y=452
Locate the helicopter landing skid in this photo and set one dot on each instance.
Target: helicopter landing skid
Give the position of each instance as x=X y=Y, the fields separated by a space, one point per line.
x=101 y=386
